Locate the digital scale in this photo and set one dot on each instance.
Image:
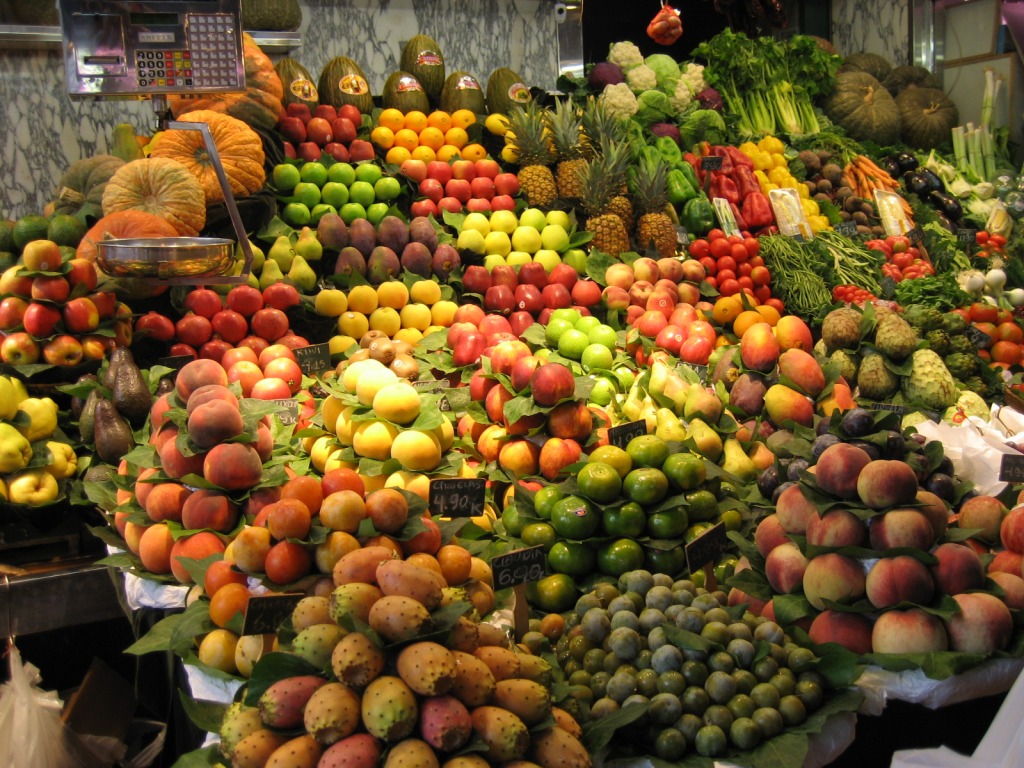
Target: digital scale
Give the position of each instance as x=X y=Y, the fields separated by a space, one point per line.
x=152 y=49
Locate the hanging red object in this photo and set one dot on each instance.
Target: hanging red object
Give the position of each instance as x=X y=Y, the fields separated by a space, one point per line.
x=666 y=27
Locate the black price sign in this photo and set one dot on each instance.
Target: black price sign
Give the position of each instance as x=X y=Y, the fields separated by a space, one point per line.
x=291 y=411
x=175 y=362
x=902 y=410
x=711 y=163
x=435 y=385
x=682 y=236
x=621 y=435
x=264 y=613
x=915 y=234
x=705 y=548
x=520 y=566
x=966 y=237
x=848 y=228
x=978 y=337
x=1011 y=468
x=457 y=497
x=314 y=358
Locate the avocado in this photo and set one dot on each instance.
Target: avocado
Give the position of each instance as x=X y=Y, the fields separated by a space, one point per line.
x=118 y=356
x=113 y=436
x=87 y=418
x=77 y=403
x=130 y=394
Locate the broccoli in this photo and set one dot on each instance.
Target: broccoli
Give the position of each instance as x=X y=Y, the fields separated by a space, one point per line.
x=703 y=125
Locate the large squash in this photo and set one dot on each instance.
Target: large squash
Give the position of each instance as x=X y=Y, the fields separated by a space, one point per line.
x=864 y=109
x=273 y=15
x=80 y=189
x=927 y=116
x=259 y=104
x=239 y=146
x=123 y=224
x=160 y=186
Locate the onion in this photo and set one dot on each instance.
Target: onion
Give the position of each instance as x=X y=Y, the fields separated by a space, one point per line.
x=1016 y=297
x=975 y=284
x=995 y=279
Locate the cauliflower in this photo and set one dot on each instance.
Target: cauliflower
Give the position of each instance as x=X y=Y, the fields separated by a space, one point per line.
x=690 y=83
x=626 y=54
x=642 y=78
x=683 y=96
x=618 y=100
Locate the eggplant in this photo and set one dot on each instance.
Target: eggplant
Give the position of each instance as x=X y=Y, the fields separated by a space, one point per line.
x=906 y=161
x=890 y=166
x=948 y=205
x=944 y=221
x=916 y=183
x=935 y=184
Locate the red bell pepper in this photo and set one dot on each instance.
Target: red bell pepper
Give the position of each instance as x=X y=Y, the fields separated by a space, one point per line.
x=757 y=210
x=746 y=181
x=738 y=158
x=741 y=222
x=722 y=152
x=723 y=186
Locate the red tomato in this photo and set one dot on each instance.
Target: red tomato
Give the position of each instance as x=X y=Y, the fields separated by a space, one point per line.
x=727 y=263
x=735 y=239
x=745 y=282
x=710 y=265
x=777 y=303
x=753 y=246
x=756 y=261
x=739 y=253
x=902 y=260
x=729 y=287
x=898 y=243
x=760 y=275
x=698 y=248
x=715 y=234
x=762 y=293
x=720 y=248
x=997 y=240
x=983 y=312
x=981 y=237
x=725 y=274
x=712 y=281
x=744 y=269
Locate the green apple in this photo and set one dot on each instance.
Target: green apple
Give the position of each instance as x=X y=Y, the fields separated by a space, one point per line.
x=561 y=218
x=376 y=212
x=555 y=237
x=604 y=390
x=342 y=173
x=568 y=314
x=477 y=221
x=555 y=328
x=626 y=377
x=586 y=323
x=533 y=217
x=349 y=212
x=550 y=259
x=577 y=259
x=526 y=238
x=368 y=172
x=504 y=221
x=497 y=242
x=492 y=260
x=517 y=259
x=471 y=240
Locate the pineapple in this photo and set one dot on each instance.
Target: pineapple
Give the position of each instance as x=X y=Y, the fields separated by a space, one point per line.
x=566 y=134
x=600 y=181
x=599 y=126
x=654 y=228
x=620 y=159
x=531 y=144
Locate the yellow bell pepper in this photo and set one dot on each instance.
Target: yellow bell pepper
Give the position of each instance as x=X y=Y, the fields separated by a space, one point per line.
x=779 y=175
x=810 y=207
x=763 y=161
x=748 y=148
x=780 y=161
x=771 y=144
x=803 y=190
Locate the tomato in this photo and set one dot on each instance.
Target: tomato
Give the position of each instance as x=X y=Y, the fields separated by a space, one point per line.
x=735 y=239
x=898 y=243
x=983 y=312
x=989 y=329
x=711 y=281
x=902 y=260
x=997 y=240
x=745 y=282
x=698 y=248
x=744 y=269
x=756 y=261
x=715 y=234
x=981 y=237
x=739 y=252
x=619 y=557
x=725 y=274
x=763 y=293
x=729 y=287
x=710 y=264
x=727 y=262
x=760 y=275
x=1007 y=352
x=753 y=246
x=777 y=303
x=720 y=248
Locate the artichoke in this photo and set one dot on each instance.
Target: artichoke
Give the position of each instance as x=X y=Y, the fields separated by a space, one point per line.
x=938 y=340
x=953 y=323
x=923 y=318
x=962 y=366
x=962 y=344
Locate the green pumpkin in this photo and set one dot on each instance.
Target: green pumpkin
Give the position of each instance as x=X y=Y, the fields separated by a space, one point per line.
x=271 y=15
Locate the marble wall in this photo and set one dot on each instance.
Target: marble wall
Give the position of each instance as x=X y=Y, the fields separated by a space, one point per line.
x=874 y=26
x=43 y=129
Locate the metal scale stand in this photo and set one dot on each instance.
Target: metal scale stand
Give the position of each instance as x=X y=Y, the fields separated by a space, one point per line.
x=149 y=49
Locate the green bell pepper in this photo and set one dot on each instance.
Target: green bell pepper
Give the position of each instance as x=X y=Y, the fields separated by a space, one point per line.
x=698 y=216
x=668 y=149
x=687 y=169
x=679 y=188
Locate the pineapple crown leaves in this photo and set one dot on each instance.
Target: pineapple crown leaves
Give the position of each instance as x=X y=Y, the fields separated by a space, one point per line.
x=566 y=130
x=600 y=181
x=600 y=126
x=532 y=135
x=648 y=182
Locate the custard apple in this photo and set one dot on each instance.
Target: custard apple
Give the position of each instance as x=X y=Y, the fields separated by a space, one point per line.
x=930 y=382
x=894 y=337
x=847 y=362
x=841 y=329
x=874 y=380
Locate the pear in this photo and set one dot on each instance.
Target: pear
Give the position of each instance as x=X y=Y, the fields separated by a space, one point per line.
x=301 y=275
x=271 y=274
x=308 y=246
x=282 y=252
x=258 y=257
x=736 y=462
x=701 y=402
x=706 y=441
x=649 y=413
x=670 y=427
x=761 y=455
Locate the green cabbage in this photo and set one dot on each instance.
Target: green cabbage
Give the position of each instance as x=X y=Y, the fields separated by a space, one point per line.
x=654 y=107
x=667 y=70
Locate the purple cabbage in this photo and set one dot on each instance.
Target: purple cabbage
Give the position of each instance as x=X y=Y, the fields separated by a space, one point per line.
x=666 y=129
x=710 y=98
x=604 y=74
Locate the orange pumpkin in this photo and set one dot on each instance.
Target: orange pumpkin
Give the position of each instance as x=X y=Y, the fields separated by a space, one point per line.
x=259 y=104
x=123 y=224
x=239 y=146
x=161 y=186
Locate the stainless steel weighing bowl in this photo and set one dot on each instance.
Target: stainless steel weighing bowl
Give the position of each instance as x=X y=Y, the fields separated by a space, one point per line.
x=166 y=257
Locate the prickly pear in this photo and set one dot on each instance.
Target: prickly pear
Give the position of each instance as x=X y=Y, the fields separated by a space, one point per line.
x=474 y=683
x=300 y=752
x=255 y=749
x=389 y=709
x=354 y=599
x=530 y=701
x=555 y=748
x=397 y=618
x=332 y=713
x=360 y=750
x=316 y=643
x=427 y=668
x=357 y=660
x=282 y=703
x=238 y=722
x=504 y=734
x=445 y=723
x=398 y=577
x=411 y=753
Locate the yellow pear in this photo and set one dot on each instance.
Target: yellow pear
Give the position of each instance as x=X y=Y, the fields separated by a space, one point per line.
x=42 y=418
x=670 y=427
x=701 y=402
x=706 y=441
x=736 y=462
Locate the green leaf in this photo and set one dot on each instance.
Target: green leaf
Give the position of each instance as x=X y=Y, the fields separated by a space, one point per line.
x=176 y=632
x=207 y=715
x=273 y=667
x=688 y=641
x=206 y=757
x=197 y=568
x=597 y=734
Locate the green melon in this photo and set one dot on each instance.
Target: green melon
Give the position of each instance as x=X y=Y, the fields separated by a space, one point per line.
x=404 y=92
x=506 y=88
x=422 y=58
x=29 y=228
x=342 y=82
x=6 y=235
x=298 y=84
x=462 y=91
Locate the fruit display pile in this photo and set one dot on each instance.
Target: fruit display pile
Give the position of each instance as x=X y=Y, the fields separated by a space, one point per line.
x=541 y=429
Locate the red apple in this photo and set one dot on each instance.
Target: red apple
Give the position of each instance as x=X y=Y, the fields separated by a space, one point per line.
x=468 y=348
x=533 y=273
x=520 y=321
x=500 y=299
x=464 y=169
x=292 y=128
x=431 y=189
x=309 y=151
x=343 y=129
x=360 y=149
x=487 y=167
x=63 y=350
x=503 y=203
x=82 y=272
x=318 y=130
x=271 y=389
x=351 y=112
x=337 y=151
x=96 y=347
x=324 y=112
x=482 y=187
x=423 y=207
x=203 y=301
x=439 y=170
x=246 y=373
x=12 y=312
x=106 y=303
x=300 y=110
x=552 y=383
x=50 y=288
x=41 y=256
x=81 y=316
x=40 y=320
x=478 y=205
x=19 y=349
x=156 y=326
x=564 y=274
x=459 y=188
x=289 y=150
x=528 y=298
x=450 y=204
x=506 y=184
x=493 y=326
x=503 y=274
x=274 y=352
x=476 y=279
x=556 y=296
x=414 y=169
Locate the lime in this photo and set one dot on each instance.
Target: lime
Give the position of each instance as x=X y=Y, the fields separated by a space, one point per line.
x=349 y=212
x=572 y=343
x=685 y=471
x=552 y=594
x=361 y=192
x=710 y=741
x=595 y=357
x=285 y=176
x=647 y=451
x=575 y=558
x=542 y=534
x=695 y=530
x=545 y=499
x=619 y=557
x=512 y=521
x=376 y=212
x=554 y=330
x=670 y=524
x=604 y=335
x=368 y=172
x=628 y=520
x=387 y=188
x=745 y=733
x=307 y=193
x=645 y=485
x=574 y=518
x=612 y=454
x=295 y=215
x=313 y=173
x=702 y=506
x=343 y=173
x=334 y=193
x=567 y=313
x=732 y=519
x=599 y=482
x=587 y=323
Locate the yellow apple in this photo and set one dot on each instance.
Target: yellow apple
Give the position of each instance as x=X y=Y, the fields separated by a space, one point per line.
x=32 y=487
x=331 y=302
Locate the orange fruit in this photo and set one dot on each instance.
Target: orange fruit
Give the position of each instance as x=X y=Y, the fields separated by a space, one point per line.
x=383 y=137
x=474 y=152
x=397 y=155
x=407 y=138
x=432 y=137
x=768 y=313
x=415 y=120
x=439 y=119
x=744 y=320
x=463 y=118
x=447 y=153
x=424 y=153
x=228 y=601
x=726 y=309
x=456 y=136
x=391 y=118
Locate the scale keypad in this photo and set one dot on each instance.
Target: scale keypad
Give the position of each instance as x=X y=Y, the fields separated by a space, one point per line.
x=210 y=63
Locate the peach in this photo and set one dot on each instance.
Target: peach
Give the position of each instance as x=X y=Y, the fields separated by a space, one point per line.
x=985 y=515
x=209 y=509
x=175 y=464
x=833 y=577
x=165 y=501
x=552 y=383
x=288 y=561
x=901 y=528
x=793 y=333
x=494 y=404
x=850 y=630
x=959 y=568
x=198 y=373
x=838 y=468
x=520 y=458
x=202 y=544
x=142 y=488
x=784 y=566
x=214 y=422
x=794 y=510
x=1011 y=530
x=233 y=466
x=935 y=509
x=893 y=580
x=783 y=404
x=1013 y=588
x=836 y=528
x=158 y=410
x=1005 y=561
x=209 y=392
x=264 y=442
x=908 y=631
x=769 y=534
x=387 y=509
x=155 y=548
x=250 y=547
x=488 y=445
x=759 y=349
x=571 y=421
x=556 y=454
x=739 y=597
x=802 y=369
x=258 y=500
x=886 y=483
x=983 y=625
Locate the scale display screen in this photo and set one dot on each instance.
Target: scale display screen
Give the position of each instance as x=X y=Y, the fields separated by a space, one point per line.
x=139 y=47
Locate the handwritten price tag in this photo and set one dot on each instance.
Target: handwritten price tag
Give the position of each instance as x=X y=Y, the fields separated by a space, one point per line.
x=1011 y=468
x=314 y=358
x=978 y=337
x=621 y=435
x=520 y=566
x=711 y=163
x=291 y=411
x=706 y=547
x=848 y=228
x=457 y=497
x=265 y=613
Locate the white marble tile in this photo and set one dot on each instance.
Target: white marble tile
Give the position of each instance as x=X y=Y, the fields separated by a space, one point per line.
x=43 y=130
x=872 y=26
